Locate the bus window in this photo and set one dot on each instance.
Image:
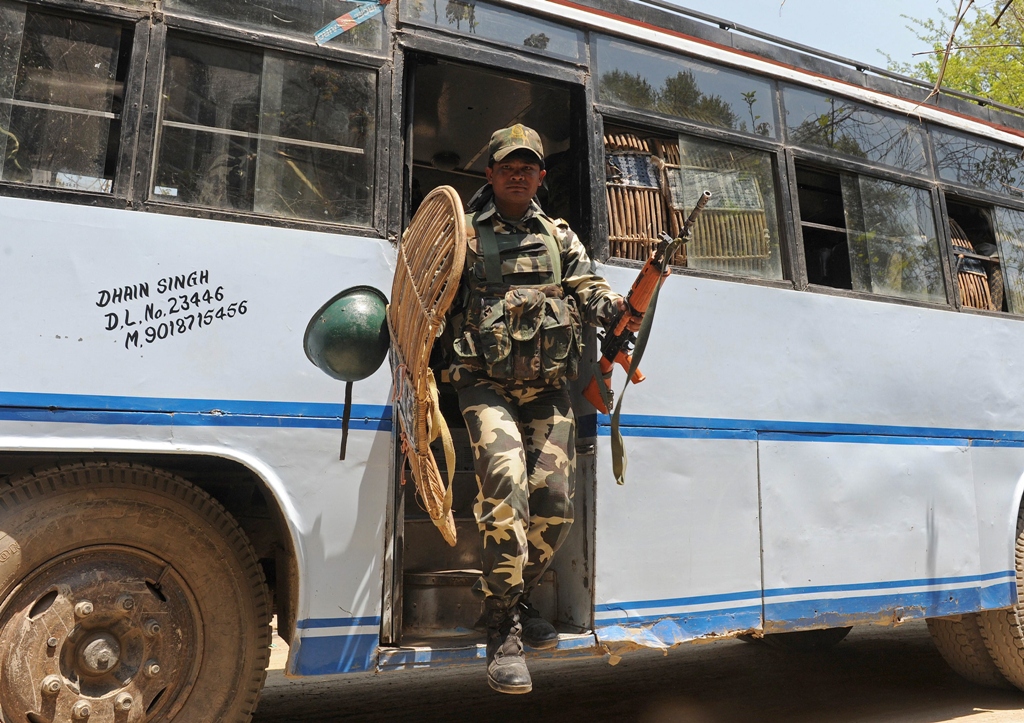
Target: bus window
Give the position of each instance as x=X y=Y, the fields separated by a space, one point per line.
x=653 y=180
x=651 y=80
x=299 y=19
x=1010 y=233
x=870 y=235
x=818 y=120
x=61 y=92
x=255 y=130
x=978 y=163
x=978 y=271
x=503 y=26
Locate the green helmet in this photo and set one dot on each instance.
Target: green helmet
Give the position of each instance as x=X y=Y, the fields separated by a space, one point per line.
x=348 y=337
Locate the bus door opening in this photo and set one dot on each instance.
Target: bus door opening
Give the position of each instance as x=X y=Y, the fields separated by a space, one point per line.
x=449 y=121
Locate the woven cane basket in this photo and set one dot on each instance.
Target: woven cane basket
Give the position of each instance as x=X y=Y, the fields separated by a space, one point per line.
x=431 y=256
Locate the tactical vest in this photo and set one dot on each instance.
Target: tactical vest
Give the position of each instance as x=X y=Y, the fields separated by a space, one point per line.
x=522 y=332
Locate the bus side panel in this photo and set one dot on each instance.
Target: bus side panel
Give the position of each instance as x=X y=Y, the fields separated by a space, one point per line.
x=999 y=487
x=678 y=546
x=859 y=532
x=93 y=365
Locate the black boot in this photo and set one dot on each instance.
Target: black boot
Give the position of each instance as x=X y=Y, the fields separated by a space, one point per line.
x=537 y=632
x=506 y=664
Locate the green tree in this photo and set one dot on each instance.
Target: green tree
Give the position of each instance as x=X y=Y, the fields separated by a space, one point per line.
x=986 y=59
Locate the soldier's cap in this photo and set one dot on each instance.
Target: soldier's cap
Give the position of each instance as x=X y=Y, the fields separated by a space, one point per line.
x=515 y=138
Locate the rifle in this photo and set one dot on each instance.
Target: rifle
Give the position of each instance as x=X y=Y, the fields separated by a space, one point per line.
x=618 y=343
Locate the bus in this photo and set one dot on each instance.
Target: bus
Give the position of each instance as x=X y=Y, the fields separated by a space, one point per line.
x=832 y=428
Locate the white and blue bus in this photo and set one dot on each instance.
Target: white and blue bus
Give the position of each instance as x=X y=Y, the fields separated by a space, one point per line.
x=832 y=429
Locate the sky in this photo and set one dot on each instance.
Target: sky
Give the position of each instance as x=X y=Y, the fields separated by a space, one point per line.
x=855 y=29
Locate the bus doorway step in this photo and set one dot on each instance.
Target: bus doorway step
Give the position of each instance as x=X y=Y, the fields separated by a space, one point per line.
x=471 y=649
x=442 y=604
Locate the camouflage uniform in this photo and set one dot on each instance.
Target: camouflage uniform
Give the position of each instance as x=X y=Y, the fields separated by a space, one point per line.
x=523 y=433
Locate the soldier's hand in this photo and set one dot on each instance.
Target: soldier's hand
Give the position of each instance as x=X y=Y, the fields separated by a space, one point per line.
x=623 y=307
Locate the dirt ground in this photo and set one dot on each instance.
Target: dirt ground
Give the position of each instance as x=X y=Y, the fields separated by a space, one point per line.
x=876 y=674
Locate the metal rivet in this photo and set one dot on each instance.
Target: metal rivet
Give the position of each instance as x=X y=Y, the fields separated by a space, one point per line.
x=81 y=710
x=123 y=701
x=51 y=684
x=152 y=628
x=51 y=642
x=83 y=609
x=126 y=602
x=152 y=668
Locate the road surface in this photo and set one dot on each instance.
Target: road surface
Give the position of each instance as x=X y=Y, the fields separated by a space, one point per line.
x=876 y=674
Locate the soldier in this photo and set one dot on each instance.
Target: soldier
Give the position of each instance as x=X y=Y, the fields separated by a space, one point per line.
x=527 y=288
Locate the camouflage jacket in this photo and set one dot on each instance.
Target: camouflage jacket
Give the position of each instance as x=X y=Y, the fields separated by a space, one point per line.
x=526 y=263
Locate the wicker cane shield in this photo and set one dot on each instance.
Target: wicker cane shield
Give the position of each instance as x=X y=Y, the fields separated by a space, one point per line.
x=431 y=256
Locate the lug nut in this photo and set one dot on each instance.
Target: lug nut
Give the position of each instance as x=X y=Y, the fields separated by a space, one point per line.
x=152 y=668
x=51 y=642
x=51 y=685
x=123 y=702
x=126 y=602
x=152 y=628
x=83 y=609
x=81 y=710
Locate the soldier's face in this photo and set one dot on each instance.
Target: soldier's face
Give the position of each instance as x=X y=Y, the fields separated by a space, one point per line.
x=515 y=181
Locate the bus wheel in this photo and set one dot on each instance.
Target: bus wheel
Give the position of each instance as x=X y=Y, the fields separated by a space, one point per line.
x=962 y=646
x=806 y=641
x=126 y=594
x=1002 y=628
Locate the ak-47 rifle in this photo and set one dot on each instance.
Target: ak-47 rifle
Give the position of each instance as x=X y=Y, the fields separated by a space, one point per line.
x=618 y=343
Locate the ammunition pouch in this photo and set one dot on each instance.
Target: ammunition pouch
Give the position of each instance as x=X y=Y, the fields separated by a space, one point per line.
x=522 y=333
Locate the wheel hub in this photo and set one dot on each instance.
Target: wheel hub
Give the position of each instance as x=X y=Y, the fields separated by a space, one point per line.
x=98 y=653
x=102 y=634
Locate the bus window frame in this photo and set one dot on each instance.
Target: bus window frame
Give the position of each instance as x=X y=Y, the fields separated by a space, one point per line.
x=464 y=39
x=146 y=158
x=774 y=148
x=830 y=164
x=988 y=199
x=475 y=52
x=121 y=195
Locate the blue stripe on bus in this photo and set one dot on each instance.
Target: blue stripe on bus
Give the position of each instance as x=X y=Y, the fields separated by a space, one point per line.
x=890 y=584
x=663 y=630
x=682 y=602
x=840 y=612
x=635 y=425
x=334 y=654
x=196 y=406
x=312 y=623
x=153 y=411
x=160 y=411
x=677 y=602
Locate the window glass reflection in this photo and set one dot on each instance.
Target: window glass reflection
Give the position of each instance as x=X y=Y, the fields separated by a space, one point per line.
x=738 y=232
x=894 y=248
x=654 y=180
x=298 y=18
x=980 y=163
x=653 y=80
x=498 y=24
x=1010 y=233
x=821 y=120
x=61 y=92
x=261 y=131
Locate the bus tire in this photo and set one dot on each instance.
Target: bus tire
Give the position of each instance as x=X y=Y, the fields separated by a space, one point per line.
x=1001 y=629
x=806 y=641
x=962 y=645
x=127 y=594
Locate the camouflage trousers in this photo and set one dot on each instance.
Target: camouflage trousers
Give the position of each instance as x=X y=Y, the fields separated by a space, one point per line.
x=524 y=450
